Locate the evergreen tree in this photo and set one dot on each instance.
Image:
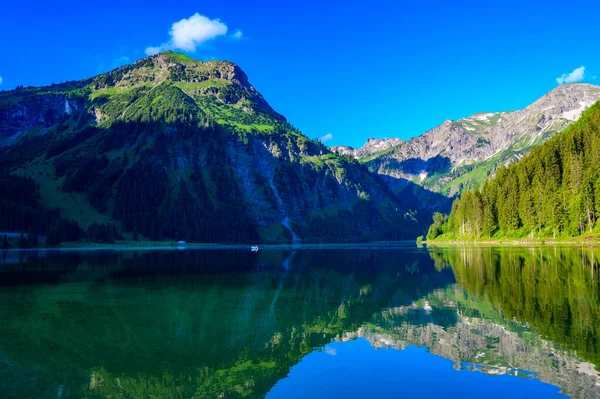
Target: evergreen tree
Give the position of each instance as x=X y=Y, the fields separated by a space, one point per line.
x=436 y=228
x=588 y=199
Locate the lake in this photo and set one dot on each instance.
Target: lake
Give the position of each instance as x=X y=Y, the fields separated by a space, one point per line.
x=334 y=322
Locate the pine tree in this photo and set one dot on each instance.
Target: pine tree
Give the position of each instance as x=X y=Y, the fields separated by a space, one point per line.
x=588 y=200
x=597 y=196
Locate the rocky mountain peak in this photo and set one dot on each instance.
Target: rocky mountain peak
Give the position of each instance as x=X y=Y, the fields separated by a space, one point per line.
x=213 y=69
x=208 y=82
x=462 y=153
x=371 y=147
x=566 y=101
x=571 y=88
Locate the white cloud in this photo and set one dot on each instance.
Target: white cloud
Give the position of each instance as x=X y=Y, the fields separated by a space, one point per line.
x=0 y=80
x=238 y=34
x=188 y=34
x=576 y=76
x=326 y=138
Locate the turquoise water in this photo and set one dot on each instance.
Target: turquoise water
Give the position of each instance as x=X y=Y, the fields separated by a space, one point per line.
x=300 y=322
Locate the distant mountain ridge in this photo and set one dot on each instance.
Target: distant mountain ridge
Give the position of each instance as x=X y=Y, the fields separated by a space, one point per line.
x=372 y=146
x=460 y=154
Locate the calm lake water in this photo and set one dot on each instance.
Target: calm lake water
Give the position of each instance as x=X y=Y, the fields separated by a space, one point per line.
x=295 y=323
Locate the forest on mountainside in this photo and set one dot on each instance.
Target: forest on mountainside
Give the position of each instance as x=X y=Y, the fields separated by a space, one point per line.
x=22 y=211
x=554 y=191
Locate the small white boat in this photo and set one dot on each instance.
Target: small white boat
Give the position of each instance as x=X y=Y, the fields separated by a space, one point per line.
x=254 y=248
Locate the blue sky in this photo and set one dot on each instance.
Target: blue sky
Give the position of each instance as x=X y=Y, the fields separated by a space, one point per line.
x=348 y=69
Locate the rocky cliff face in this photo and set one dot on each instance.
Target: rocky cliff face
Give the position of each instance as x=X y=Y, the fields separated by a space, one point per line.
x=371 y=147
x=39 y=112
x=464 y=152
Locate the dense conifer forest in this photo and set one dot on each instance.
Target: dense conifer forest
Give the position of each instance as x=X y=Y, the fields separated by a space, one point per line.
x=22 y=211
x=554 y=191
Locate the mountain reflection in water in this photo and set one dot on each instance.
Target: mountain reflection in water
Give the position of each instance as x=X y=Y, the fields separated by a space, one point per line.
x=231 y=323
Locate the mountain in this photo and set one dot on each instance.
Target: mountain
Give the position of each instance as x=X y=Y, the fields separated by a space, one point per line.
x=173 y=148
x=461 y=154
x=371 y=147
x=554 y=191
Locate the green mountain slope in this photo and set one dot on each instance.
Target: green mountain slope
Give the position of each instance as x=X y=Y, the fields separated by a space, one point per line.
x=553 y=191
x=173 y=148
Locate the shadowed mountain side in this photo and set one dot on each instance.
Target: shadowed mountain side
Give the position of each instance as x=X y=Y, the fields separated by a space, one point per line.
x=409 y=191
x=414 y=196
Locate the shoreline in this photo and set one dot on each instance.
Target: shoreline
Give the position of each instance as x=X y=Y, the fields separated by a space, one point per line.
x=164 y=246
x=540 y=242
